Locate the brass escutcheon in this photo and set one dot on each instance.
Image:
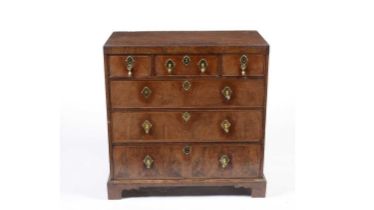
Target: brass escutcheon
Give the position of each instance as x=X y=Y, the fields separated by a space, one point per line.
x=187 y=150
x=146 y=92
x=186 y=85
x=186 y=60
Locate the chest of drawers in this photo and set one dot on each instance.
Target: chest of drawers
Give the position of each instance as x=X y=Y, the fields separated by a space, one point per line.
x=186 y=110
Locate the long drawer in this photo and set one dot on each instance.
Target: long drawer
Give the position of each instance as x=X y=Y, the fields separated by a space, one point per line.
x=187 y=126
x=158 y=161
x=187 y=93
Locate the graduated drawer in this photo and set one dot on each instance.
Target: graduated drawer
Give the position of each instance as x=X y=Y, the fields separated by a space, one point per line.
x=140 y=66
x=243 y=65
x=187 y=126
x=186 y=65
x=129 y=66
x=195 y=160
x=187 y=93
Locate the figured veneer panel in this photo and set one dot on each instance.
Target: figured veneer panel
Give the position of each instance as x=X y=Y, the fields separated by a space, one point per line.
x=169 y=161
x=202 y=93
x=202 y=126
x=191 y=69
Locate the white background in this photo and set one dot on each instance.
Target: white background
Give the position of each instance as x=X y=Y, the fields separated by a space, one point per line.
x=53 y=151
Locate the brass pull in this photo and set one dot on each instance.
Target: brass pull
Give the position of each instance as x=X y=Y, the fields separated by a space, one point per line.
x=186 y=116
x=130 y=65
x=147 y=126
x=187 y=150
x=203 y=64
x=225 y=125
x=146 y=92
x=170 y=65
x=227 y=92
x=224 y=160
x=148 y=161
x=243 y=64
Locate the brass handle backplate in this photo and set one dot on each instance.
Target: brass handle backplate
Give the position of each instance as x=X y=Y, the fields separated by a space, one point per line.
x=227 y=92
x=224 y=160
x=130 y=65
x=170 y=65
x=243 y=64
x=225 y=125
x=203 y=64
x=147 y=126
x=148 y=161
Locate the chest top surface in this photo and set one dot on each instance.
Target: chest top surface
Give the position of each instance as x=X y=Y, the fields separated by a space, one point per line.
x=186 y=41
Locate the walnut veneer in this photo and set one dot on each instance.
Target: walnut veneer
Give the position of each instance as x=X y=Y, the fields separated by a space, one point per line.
x=186 y=112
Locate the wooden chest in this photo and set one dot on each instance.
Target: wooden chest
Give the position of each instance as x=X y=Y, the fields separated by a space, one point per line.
x=186 y=110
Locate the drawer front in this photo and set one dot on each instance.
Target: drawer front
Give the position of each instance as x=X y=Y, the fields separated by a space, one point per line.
x=187 y=93
x=129 y=66
x=157 y=161
x=240 y=65
x=187 y=126
x=186 y=65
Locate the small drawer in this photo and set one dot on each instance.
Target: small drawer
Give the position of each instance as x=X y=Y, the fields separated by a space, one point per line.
x=188 y=93
x=129 y=66
x=243 y=65
x=187 y=126
x=186 y=65
x=196 y=160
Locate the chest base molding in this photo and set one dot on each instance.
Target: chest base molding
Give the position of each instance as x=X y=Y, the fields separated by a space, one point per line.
x=118 y=189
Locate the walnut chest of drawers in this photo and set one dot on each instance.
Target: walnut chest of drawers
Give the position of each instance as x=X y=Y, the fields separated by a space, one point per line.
x=186 y=110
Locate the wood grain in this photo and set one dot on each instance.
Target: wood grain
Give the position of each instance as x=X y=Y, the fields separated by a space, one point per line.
x=172 y=169
x=203 y=93
x=231 y=65
x=118 y=66
x=180 y=42
x=202 y=162
x=203 y=126
x=192 y=69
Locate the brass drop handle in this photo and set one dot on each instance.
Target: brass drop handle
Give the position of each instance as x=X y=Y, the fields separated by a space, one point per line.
x=227 y=92
x=224 y=160
x=148 y=161
x=130 y=65
x=170 y=65
x=243 y=64
x=147 y=126
x=225 y=125
x=186 y=116
x=203 y=64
